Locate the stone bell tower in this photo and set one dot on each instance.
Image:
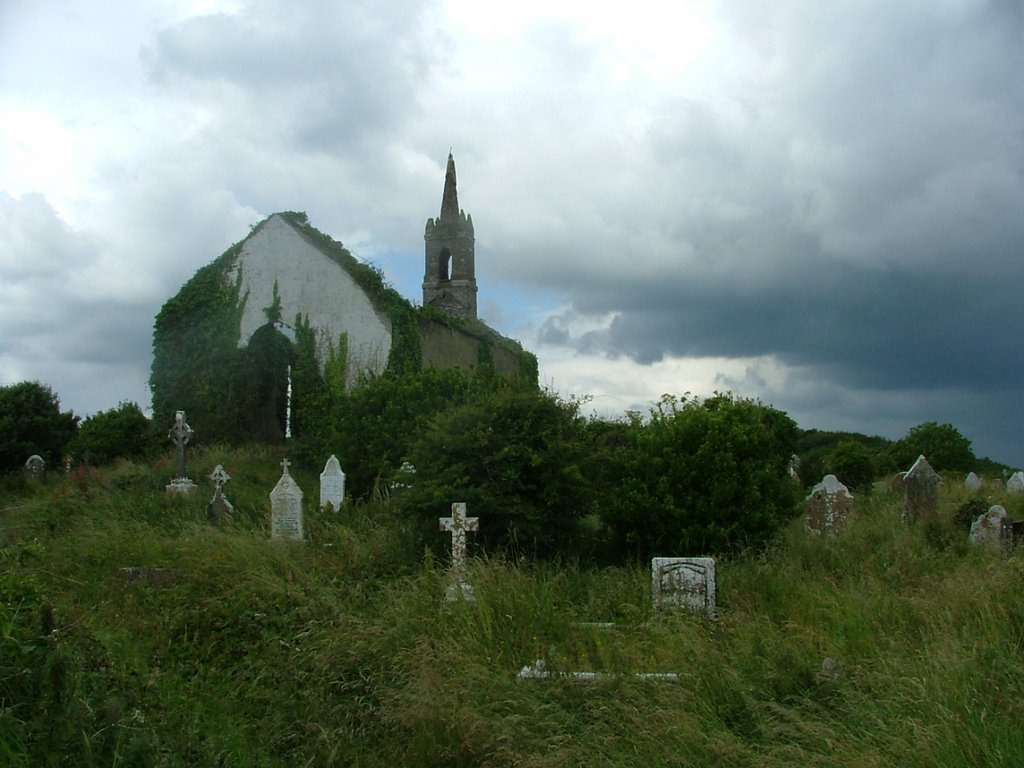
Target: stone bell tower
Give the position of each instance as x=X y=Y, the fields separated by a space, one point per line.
x=449 y=280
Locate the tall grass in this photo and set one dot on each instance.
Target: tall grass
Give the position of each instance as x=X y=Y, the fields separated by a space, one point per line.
x=886 y=646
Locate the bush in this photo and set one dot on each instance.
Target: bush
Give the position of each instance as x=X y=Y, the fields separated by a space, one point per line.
x=703 y=476
x=853 y=464
x=514 y=456
x=121 y=432
x=31 y=422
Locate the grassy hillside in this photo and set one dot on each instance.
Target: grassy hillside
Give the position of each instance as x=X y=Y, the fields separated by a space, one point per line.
x=232 y=650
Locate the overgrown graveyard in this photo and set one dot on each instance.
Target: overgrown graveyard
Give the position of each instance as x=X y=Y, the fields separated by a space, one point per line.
x=137 y=631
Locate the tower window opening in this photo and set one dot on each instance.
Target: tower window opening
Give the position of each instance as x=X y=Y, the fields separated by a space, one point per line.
x=446 y=260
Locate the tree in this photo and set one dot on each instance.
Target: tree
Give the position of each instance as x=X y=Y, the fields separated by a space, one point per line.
x=703 y=476
x=121 y=432
x=942 y=444
x=31 y=422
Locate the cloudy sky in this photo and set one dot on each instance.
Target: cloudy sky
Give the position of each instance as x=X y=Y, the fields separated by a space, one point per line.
x=820 y=205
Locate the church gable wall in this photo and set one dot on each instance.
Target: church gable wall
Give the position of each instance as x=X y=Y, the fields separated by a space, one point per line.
x=311 y=284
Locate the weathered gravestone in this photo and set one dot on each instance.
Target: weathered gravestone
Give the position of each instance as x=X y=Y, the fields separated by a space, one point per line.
x=286 y=507
x=988 y=529
x=219 y=506
x=35 y=466
x=457 y=525
x=1016 y=482
x=686 y=583
x=829 y=506
x=332 y=484
x=180 y=434
x=920 y=493
x=972 y=482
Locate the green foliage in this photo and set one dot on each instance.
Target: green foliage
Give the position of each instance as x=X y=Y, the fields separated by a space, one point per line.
x=853 y=464
x=31 y=422
x=515 y=457
x=874 y=648
x=121 y=432
x=196 y=360
x=817 y=450
x=373 y=428
x=703 y=476
x=942 y=444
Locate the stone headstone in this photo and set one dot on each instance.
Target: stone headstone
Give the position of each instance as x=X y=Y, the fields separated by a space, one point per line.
x=457 y=525
x=829 y=506
x=1016 y=482
x=987 y=530
x=286 y=508
x=181 y=433
x=332 y=484
x=920 y=493
x=972 y=482
x=686 y=583
x=219 y=506
x=897 y=482
x=35 y=466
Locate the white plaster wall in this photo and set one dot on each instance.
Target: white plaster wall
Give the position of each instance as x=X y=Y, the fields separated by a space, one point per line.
x=311 y=284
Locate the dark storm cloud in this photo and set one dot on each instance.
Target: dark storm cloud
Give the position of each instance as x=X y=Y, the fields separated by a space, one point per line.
x=855 y=210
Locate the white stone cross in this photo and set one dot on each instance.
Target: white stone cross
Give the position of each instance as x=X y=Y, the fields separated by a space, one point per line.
x=219 y=477
x=284 y=465
x=458 y=524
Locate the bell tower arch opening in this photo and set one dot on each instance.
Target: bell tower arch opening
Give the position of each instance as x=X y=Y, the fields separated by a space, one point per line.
x=449 y=278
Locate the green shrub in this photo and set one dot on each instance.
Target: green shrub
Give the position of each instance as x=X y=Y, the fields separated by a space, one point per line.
x=121 y=432
x=703 y=476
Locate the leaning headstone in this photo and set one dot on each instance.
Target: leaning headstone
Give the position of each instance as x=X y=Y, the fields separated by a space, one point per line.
x=972 y=482
x=988 y=530
x=920 y=493
x=1016 y=482
x=180 y=434
x=286 y=507
x=457 y=525
x=686 y=583
x=332 y=484
x=219 y=506
x=35 y=466
x=829 y=506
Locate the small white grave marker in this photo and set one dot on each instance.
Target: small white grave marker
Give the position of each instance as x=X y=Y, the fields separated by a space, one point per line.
x=458 y=524
x=684 y=582
x=1016 y=482
x=332 y=484
x=286 y=507
x=972 y=482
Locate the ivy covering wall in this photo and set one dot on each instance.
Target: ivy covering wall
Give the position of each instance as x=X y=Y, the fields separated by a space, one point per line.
x=234 y=395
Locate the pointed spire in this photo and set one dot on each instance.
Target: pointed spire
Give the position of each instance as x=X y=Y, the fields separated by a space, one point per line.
x=450 y=201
